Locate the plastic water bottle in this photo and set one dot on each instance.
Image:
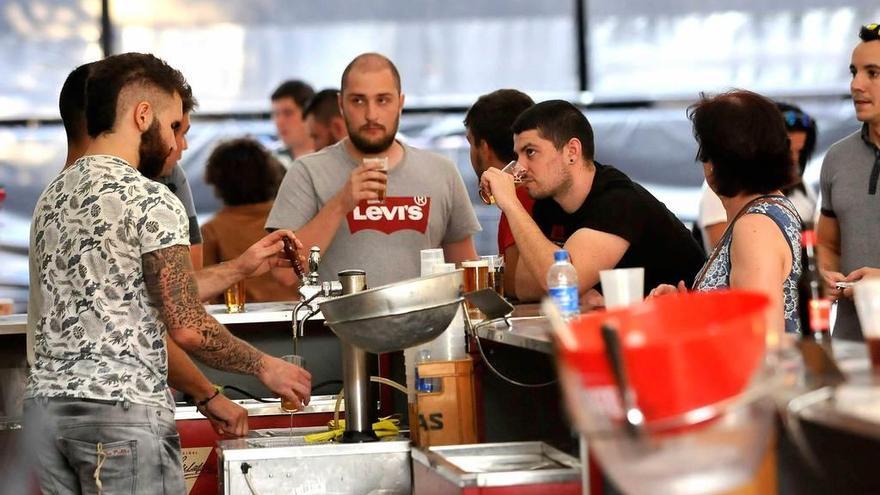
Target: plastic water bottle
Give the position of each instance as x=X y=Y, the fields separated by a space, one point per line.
x=563 y=285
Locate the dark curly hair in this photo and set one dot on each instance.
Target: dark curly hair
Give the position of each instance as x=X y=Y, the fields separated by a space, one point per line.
x=243 y=172
x=744 y=136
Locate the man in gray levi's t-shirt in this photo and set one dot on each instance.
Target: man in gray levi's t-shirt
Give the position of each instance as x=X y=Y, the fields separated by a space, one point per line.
x=329 y=197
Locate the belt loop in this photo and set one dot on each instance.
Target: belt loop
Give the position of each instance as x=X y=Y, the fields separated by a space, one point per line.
x=126 y=405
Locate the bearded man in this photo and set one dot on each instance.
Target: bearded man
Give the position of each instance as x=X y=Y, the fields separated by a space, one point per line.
x=331 y=198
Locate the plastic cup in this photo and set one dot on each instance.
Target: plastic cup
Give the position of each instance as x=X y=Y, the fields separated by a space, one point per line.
x=513 y=168
x=622 y=286
x=867 y=298
x=6 y=306
x=383 y=167
x=298 y=361
x=429 y=258
x=235 y=297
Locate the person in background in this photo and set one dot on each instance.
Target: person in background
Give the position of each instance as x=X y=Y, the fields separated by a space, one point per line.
x=323 y=119
x=594 y=211
x=288 y=102
x=802 y=133
x=848 y=231
x=747 y=162
x=488 y=123
x=245 y=177
x=175 y=179
x=325 y=197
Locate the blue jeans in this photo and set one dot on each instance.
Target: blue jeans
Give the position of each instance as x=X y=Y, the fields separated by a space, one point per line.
x=104 y=447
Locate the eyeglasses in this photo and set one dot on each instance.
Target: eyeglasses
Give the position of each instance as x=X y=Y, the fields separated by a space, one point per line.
x=797 y=120
x=870 y=32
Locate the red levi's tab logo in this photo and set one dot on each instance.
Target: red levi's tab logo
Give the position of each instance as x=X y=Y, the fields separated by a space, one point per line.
x=395 y=214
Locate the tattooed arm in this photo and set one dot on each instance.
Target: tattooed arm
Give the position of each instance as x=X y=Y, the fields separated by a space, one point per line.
x=172 y=288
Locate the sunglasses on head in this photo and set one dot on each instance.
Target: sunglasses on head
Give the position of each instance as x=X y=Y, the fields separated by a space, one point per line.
x=797 y=120
x=870 y=32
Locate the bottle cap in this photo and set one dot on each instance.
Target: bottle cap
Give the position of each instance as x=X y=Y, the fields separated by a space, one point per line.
x=561 y=255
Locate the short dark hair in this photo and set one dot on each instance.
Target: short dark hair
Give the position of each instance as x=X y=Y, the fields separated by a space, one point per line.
x=796 y=120
x=190 y=102
x=109 y=77
x=491 y=118
x=300 y=91
x=324 y=105
x=72 y=103
x=243 y=172
x=558 y=121
x=371 y=61
x=743 y=134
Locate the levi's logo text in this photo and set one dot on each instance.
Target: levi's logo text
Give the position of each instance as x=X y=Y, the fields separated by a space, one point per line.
x=395 y=214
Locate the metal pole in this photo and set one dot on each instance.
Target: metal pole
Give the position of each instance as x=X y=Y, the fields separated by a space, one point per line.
x=106 y=29
x=582 y=31
x=356 y=377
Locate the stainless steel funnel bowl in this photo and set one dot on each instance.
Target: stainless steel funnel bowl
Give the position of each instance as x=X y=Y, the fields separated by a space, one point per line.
x=398 y=315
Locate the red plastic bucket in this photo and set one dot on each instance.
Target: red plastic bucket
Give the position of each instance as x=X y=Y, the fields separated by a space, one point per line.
x=681 y=352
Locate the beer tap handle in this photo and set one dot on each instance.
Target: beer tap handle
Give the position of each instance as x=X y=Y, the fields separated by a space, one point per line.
x=314 y=260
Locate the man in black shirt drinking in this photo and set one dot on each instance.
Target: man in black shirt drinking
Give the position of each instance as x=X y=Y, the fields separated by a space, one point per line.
x=604 y=219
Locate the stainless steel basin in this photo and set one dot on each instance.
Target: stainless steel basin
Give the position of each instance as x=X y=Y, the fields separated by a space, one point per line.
x=396 y=316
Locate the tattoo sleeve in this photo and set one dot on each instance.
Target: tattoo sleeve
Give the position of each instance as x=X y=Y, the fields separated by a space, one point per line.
x=172 y=288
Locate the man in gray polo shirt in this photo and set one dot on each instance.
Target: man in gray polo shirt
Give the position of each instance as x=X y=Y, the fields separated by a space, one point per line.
x=331 y=197
x=849 y=224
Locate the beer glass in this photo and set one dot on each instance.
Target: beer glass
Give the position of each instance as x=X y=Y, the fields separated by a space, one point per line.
x=235 y=297
x=300 y=361
x=383 y=162
x=476 y=277
x=513 y=168
x=496 y=272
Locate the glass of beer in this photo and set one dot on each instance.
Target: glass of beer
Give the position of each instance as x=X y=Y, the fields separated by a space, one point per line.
x=235 y=297
x=496 y=272
x=476 y=277
x=300 y=361
x=866 y=294
x=513 y=168
x=383 y=167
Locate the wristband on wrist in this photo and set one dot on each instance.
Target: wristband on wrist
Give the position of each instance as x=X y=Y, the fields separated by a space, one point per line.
x=217 y=391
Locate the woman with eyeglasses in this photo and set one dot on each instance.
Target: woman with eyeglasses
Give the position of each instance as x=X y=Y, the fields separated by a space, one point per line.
x=747 y=161
x=802 y=133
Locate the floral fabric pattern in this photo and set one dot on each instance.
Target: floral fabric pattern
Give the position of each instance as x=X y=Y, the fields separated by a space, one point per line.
x=716 y=275
x=96 y=333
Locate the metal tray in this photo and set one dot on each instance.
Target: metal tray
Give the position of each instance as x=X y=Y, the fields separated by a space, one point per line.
x=499 y=464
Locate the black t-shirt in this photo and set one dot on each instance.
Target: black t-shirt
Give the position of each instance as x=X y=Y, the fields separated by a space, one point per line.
x=658 y=241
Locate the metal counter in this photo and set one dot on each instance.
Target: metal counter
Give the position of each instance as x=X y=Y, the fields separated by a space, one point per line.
x=530 y=332
x=266 y=312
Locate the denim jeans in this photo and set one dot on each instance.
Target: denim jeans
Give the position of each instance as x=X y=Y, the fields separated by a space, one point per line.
x=104 y=447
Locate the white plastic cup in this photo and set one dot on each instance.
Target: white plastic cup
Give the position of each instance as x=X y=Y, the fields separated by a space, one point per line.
x=866 y=294
x=622 y=286
x=429 y=258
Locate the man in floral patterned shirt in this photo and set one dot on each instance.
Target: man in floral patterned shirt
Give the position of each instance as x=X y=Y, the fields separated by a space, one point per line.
x=109 y=248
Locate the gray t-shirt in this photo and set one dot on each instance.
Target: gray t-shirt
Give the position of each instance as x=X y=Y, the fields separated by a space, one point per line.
x=427 y=206
x=848 y=196
x=179 y=185
x=97 y=334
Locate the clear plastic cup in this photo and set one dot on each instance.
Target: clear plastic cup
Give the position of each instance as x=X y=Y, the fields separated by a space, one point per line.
x=298 y=361
x=622 y=286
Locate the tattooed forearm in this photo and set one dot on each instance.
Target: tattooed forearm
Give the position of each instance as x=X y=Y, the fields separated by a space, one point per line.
x=169 y=279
